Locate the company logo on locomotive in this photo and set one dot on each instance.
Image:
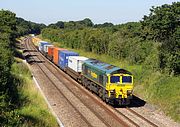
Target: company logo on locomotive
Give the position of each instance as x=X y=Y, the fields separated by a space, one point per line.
x=93 y=74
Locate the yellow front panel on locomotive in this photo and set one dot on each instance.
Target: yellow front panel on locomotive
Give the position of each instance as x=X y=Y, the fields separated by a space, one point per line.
x=119 y=85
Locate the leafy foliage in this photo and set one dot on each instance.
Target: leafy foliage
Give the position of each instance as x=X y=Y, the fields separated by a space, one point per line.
x=10 y=28
x=157 y=34
x=7 y=31
x=163 y=25
x=120 y=42
x=7 y=36
x=26 y=27
x=72 y=24
x=106 y=24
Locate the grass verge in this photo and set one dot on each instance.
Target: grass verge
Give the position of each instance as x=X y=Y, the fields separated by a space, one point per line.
x=32 y=109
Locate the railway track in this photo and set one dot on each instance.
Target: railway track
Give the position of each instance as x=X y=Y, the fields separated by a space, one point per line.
x=140 y=116
x=142 y=121
x=114 y=113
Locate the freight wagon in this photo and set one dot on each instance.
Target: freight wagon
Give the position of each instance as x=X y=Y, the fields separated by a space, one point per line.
x=64 y=56
x=36 y=41
x=50 y=53
x=56 y=57
x=41 y=45
x=74 y=68
x=46 y=48
x=111 y=83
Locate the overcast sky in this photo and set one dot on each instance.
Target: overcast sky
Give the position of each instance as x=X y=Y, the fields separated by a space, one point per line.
x=99 y=11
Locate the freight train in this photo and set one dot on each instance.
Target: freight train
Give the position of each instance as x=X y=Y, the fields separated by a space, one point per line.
x=111 y=83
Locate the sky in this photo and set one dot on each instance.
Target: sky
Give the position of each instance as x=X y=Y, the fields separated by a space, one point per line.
x=99 y=11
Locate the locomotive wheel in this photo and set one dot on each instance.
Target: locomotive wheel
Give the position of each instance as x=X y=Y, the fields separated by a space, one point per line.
x=88 y=84
x=79 y=80
x=83 y=81
x=106 y=98
x=100 y=92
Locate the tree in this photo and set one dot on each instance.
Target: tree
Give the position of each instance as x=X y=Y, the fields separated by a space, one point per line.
x=60 y=24
x=106 y=24
x=86 y=22
x=27 y=27
x=163 y=25
x=163 y=21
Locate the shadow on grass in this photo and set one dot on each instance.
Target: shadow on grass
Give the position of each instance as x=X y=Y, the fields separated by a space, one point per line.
x=30 y=120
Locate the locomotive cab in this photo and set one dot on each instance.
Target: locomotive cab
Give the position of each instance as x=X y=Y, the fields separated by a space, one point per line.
x=119 y=87
x=113 y=84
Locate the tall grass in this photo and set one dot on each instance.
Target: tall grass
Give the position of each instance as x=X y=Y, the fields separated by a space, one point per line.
x=32 y=109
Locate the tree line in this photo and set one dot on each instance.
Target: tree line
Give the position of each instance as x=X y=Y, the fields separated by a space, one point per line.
x=11 y=27
x=153 y=42
x=27 y=27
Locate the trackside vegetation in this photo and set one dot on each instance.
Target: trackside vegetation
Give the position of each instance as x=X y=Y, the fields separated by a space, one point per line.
x=20 y=102
x=150 y=49
x=32 y=110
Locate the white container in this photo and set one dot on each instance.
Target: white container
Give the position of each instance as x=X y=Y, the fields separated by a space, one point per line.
x=75 y=62
x=46 y=47
x=40 y=45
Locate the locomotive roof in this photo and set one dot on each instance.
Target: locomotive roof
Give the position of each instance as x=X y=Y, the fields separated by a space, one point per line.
x=107 y=68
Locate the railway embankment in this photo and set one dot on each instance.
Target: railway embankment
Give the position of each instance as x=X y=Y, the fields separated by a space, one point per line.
x=30 y=108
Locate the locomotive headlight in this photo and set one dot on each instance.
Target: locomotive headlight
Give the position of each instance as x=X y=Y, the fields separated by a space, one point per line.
x=129 y=92
x=112 y=91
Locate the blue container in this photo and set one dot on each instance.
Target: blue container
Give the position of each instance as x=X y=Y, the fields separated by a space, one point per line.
x=41 y=45
x=63 y=58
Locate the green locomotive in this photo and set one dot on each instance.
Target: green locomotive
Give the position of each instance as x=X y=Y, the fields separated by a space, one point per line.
x=111 y=83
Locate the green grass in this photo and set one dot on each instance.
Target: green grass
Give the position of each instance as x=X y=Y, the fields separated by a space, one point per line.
x=166 y=93
x=32 y=109
x=153 y=86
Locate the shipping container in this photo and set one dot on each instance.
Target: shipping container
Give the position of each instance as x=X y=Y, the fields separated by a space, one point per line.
x=36 y=41
x=50 y=51
x=41 y=45
x=75 y=62
x=56 y=54
x=46 y=48
x=63 y=58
